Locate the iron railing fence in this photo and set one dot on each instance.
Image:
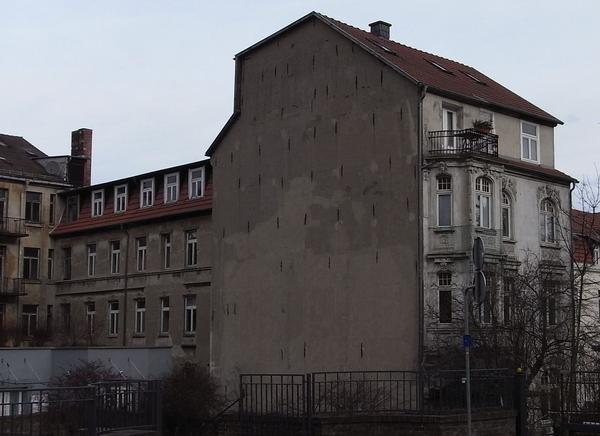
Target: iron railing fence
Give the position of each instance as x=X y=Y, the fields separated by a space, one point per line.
x=461 y=142
x=10 y=226
x=579 y=397
x=88 y=410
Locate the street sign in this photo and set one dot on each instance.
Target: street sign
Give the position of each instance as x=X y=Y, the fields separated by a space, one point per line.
x=467 y=341
x=479 y=287
x=478 y=252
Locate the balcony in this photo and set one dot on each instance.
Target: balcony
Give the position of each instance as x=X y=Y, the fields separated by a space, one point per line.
x=466 y=142
x=12 y=227
x=11 y=287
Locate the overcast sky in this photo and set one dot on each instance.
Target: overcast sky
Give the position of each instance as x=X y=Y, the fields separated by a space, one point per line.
x=154 y=79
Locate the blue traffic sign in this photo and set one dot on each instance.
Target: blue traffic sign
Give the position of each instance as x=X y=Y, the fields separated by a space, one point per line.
x=467 y=341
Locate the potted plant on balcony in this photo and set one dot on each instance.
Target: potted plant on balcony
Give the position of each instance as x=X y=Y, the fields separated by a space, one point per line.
x=483 y=126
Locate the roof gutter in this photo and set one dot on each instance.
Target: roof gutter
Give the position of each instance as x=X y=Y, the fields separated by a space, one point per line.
x=420 y=248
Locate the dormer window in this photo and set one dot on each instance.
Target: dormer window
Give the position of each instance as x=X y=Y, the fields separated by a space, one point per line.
x=530 y=142
x=171 y=187
x=97 y=203
x=72 y=208
x=147 y=193
x=120 y=198
x=196 y=188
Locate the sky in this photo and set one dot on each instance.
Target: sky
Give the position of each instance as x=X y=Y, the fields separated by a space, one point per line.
x=154 y=79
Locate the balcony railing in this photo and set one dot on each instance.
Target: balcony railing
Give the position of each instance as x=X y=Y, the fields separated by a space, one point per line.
x=462 y=142
x=11 y=287
x=13 y=227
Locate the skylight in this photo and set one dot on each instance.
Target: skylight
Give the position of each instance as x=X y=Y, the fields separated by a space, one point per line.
x=470 y=76
x=383 y=47
x=31 y=153
x=440 y=67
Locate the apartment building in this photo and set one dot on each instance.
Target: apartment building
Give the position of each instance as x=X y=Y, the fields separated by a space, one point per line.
x=30 y=208
x=133 y=262
x=350 y=182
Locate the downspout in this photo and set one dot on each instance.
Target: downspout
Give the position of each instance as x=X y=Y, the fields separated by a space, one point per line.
x=19 y=334
x=420 y=249
x=125 y=285
x=574 y=351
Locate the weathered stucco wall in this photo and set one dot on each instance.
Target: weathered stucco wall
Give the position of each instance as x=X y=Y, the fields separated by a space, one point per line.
x=316 y=204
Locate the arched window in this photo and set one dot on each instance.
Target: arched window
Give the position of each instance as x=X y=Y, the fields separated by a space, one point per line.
x=445 y=297
x=444 y=201
x=506 y=216
x=483 y=202
x=548 y=222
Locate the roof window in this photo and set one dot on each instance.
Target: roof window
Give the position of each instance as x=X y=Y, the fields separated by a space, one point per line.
x=472 y=77
x=440 y=67
x=383 y=47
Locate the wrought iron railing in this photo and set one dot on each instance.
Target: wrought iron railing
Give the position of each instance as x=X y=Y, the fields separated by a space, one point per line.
x=12 y=226
x=462 y=142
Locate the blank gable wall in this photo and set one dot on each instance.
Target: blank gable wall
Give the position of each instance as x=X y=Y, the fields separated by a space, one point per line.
x=315 y=212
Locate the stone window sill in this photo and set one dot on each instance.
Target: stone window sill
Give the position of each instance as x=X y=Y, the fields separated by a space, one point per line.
x=550 y=245
x=443 y=230
x=485 y=231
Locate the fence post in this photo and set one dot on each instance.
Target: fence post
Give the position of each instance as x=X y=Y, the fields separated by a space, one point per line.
x=158 y=406
x=521 y=402
x=92 y=411
x=309 y=405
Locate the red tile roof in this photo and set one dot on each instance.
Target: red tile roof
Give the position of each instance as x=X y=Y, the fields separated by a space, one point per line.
x=586 y=230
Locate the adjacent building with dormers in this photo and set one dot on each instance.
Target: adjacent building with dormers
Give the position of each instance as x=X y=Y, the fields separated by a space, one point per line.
x=350 y=182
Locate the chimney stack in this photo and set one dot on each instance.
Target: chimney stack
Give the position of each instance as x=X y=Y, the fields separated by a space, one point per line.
x=381 y=28
x=80 y=168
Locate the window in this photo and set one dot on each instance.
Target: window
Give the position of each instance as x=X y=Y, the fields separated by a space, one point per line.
x=164 y=315
x=445 y=296
x=486 y=116
x=29 y=319
x=547 y=222
x=72 y=208
x=91 y=256
x=67 y=263
x=147 y=193
x=508 y=292
x=90 y=316
x=449 y=124
x=444 y=201
x=141 y=253
x=115 y=257
x=487 y=307
x=2 y=315
x=120 y=198
x=33 y=201
x=52 y=209
x=65 y=315
x=50 y=318
x=166 y=250
x=140 y=316
x=190 y=313
x=171 y=187
x=506 y=216
x=50 y=263
x=31 y=263
x=97 y=203
x=113 y=318
x=483 y=202
x=529 y=142
x=191 y=248
x=196 y=188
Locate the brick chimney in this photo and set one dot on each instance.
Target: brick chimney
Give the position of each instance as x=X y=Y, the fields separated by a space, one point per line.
x=381 y=28
x=80 y=167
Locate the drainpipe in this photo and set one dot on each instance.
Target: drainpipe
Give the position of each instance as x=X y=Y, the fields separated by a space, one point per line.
x=574 y=352
x=420 y=248
x=125 y=284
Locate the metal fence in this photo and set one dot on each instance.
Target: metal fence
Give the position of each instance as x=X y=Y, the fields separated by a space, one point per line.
x=85 y=410
x=466 y=141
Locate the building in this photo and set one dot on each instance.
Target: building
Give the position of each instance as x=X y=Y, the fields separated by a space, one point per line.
x=350 y=182
x=29 y=209
x=133 y=262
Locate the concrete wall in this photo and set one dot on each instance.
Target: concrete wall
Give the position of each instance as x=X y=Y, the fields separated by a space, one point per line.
x=34 y=365
x=507 y=128
x=316 y=214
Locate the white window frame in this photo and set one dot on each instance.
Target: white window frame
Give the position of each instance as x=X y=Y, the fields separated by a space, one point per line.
x=113 y=318
x=97 y=204
x=141 y=251
x=90 y=316
x=147 y=194
x=170 y=185
x=115 y=257
x=191 y=248
x=91 y=259
x=31 y=327
x=508 y=207
x=443 y=192
x=118 y=197
x=545 y=215
x=190 y=314
x=449 y=141
x=140 y=316
x=529 y=138
x=165 y=310
x=479 y=195
x=192 y=182
x=444 y=281
x=167 y=251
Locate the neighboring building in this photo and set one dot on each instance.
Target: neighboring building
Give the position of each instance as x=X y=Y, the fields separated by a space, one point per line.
x=349 y=185
x=133 y=262
x=29 y=209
